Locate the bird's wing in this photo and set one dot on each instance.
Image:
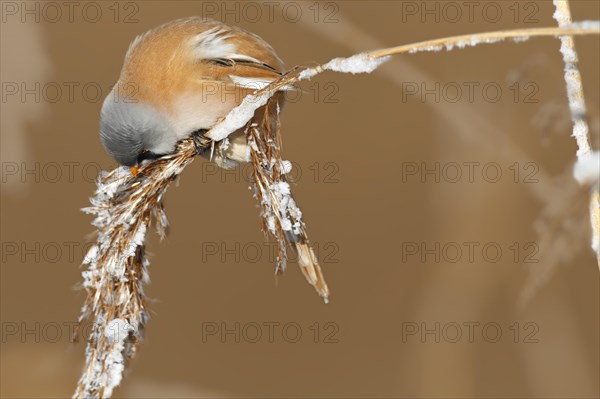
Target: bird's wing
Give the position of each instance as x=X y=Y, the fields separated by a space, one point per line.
x=234 y=55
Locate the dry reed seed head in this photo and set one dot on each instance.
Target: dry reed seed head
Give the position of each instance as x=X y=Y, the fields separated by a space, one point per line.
x=282 y=219
x=124 y=206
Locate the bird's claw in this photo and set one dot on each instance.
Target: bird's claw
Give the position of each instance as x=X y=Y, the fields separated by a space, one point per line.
x=201 y=142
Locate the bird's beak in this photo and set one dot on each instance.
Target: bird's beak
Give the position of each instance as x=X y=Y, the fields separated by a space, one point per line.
x=134 y=170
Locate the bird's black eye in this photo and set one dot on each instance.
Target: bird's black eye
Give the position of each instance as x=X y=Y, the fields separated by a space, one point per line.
x=146 y=155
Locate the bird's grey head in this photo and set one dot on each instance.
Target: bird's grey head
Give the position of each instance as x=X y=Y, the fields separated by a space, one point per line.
x=128 y=129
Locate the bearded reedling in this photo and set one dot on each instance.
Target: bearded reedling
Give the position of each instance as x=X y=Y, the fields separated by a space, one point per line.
x=179 y=80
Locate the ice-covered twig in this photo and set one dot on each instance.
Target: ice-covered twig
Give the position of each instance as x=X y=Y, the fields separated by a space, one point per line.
x=573 y=79
x=581 y=130
x=587 y=173
x=587 y=168
x=517 y=35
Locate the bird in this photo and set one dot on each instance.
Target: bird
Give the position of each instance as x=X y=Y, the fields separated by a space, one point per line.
x=180 y=79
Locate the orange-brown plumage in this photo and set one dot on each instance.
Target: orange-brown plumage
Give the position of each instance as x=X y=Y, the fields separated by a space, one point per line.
x=181 y=77
x=161 y=64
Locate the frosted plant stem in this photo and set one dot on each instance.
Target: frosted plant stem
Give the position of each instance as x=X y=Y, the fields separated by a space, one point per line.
x=573 y=80
x=369 y=61
x=581 y=130
x=461 y=41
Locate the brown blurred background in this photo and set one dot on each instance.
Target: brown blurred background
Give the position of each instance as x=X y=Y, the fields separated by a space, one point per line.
x=409 y=315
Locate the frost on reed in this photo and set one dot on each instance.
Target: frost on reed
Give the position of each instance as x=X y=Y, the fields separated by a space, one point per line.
x=125 y=206
x=586 y=160
x=559 y=225
x=282 y=218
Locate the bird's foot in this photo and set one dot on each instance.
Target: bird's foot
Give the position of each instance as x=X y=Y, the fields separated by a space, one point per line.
x=201 y=142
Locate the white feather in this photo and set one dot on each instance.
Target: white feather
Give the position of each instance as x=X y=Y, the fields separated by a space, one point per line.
x=256 y=83
x=213 y=44
x=250 y=83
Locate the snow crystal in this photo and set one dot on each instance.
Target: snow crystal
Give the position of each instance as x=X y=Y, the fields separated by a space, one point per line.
x=117 y=330
x=91 y=255
x=271 y=223
x=588 y=25
x=359 y=63
x=573 y=77
x=87 y=279
x=286 y=225
x=224 y=145
x=239 y=116
x=568 y=53
x=253 y=145
x=560 y=15
x=309 y=73
x=587 y=168
x=286 y=167
x=140 y=234
x=428 y=48
x=297 y=228
x=115 y=368
x=282 y=188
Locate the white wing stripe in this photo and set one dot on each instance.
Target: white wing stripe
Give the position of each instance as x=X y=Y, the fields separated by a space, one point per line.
x=255 y=83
